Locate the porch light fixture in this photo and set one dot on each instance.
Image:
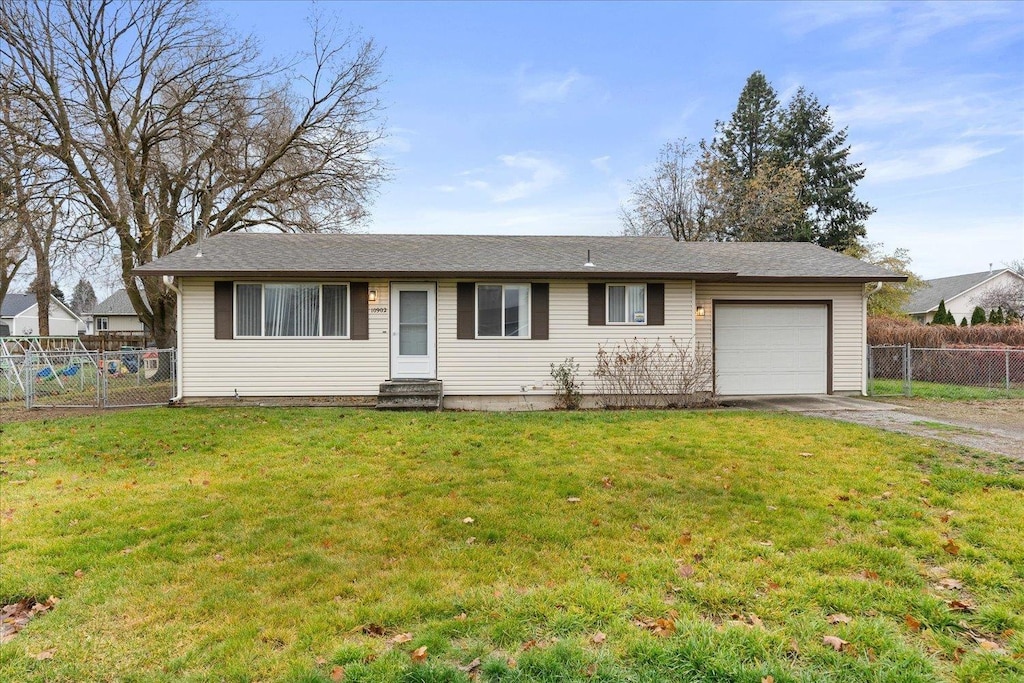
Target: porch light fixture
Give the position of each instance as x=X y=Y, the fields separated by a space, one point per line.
x=700 y=312
x=372 y=295
x=589 y=263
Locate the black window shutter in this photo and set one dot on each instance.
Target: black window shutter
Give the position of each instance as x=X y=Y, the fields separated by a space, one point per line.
x=655 y=303
x=360 y=301
x=465 y=311
x=223 y=310
x=539 y=310
x=595 y=303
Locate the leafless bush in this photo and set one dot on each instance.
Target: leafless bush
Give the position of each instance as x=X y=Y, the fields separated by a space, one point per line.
x=899 y=331
x=638 y=374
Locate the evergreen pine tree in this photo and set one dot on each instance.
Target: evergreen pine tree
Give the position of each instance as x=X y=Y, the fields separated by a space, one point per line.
x=940 y=314
x=963 y=321
x=978 y=316
x=807 y=139
x=750 y=135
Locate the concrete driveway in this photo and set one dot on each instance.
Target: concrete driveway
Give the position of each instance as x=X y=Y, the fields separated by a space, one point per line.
x=894 y=418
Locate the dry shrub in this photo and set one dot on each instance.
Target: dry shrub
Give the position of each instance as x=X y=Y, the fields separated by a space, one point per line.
x=638 y=374
x=884 y=331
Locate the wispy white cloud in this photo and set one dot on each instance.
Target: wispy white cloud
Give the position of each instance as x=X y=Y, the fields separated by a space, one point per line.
x=926 y=161
x=602 y=164
x=398 y=139
x=547 y=87
x=517 y=176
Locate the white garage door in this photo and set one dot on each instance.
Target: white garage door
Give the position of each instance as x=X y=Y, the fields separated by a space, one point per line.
x=771 y=348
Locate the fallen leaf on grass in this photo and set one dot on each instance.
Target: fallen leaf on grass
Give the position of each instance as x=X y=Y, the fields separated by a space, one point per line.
x=685 y=538
x=685 y=571
x=218 y=557
x=79 y=573
x=607 y=482
x=988 y=645
x=320 y=661
x=838 y=618
x=591 y=670
x=598 y=638
x=45 y=654
x=461 y=617
x=372 y=629
x=768 y=679
x=419 y=655
x=951 y=584
x=471 y=667
x=951 y=547
x=471 y=540
x=807 y=455
x=912 y=623
x=400 y=638
x=572 y=499
x=338 y=673
x=529 y=645
x=659 y=627
x=836 y=643
x=468 y=520
x=870 y=575
x=961 y=605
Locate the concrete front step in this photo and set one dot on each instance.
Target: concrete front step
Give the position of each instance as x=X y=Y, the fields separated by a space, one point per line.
x=410 y=395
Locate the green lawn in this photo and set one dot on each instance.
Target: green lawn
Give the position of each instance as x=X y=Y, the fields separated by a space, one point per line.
x=277 y=544
x=894 y=387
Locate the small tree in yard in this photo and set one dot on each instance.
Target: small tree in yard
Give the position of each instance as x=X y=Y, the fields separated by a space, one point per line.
x=963 y=321
x=978 y=316
x=942 y=317
x=995 y=316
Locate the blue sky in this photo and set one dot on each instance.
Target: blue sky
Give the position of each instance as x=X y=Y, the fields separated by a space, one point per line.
x=532 y=118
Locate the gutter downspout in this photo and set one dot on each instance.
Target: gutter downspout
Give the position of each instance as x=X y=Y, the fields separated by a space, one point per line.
x=169 y=283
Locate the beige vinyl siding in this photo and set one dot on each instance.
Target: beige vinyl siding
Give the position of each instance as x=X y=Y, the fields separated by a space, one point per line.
x=848 y=320
x=121 y=323
x=494 y=367
x=277 y=367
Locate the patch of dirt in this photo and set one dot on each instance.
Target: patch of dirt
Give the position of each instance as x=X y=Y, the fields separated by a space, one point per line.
x=10 y=413
x=1003 y=414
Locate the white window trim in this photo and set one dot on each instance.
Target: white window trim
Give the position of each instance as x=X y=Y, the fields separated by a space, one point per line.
x=503 y=285
x=106 y=323
x=263 y=310
x=606 y=301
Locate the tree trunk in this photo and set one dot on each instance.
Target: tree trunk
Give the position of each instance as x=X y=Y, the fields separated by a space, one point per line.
x=164 y=333
x=42 y=287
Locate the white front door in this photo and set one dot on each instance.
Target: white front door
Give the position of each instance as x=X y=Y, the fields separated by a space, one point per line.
x=413 y=330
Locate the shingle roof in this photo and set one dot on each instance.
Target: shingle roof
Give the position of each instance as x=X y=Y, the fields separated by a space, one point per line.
x=945 y=288
x=117 y=303
x=368 y=255
x=14 y=304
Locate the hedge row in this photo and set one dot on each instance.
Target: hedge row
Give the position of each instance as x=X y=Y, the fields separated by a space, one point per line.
x=899 y=331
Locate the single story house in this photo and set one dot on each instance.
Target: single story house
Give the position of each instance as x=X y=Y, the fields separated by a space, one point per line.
x=114 y=314
x=19 y=317
x=273 y=315
x=962 y=293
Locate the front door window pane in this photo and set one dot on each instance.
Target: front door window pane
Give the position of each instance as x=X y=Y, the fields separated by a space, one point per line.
x=412 y=323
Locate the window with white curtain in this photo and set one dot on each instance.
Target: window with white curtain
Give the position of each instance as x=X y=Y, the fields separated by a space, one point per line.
x=502 y=310
x=627 y=305
x=297 y=309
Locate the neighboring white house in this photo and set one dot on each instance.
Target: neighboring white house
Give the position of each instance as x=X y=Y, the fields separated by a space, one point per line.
x=962 y=293
x=114 y=314
x=338 y=315
x=19 y=317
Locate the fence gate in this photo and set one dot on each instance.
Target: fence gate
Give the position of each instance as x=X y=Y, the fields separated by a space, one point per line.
x=889 y=370
x=97 y=379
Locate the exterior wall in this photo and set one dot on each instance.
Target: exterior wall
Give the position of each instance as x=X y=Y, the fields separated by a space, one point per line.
x=494 y=367
x=470 y=367
x=848 y=321
x=277 y=367
x=119 y=323
x=962 y=305
x=62 y=324
x=477 y=367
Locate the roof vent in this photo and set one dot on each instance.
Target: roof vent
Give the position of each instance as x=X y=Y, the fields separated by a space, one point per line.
x=589 y=263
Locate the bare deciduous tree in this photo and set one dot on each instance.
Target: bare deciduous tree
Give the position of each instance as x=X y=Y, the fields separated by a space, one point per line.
x=171 y=128
x=672 y=202
x=1009 y=296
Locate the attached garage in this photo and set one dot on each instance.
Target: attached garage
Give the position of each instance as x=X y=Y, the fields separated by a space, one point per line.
x=772 y=347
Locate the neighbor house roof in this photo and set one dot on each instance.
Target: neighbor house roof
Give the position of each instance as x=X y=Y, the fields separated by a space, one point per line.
x=928 y=297
x=14 y=304
x=117 y=303
x=375 y=255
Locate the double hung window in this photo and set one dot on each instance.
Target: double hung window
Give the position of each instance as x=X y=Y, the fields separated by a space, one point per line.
x=627 y=304
x=502 y=310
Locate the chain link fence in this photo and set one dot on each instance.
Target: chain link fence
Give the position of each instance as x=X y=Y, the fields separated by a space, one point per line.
x=954 y=373
x=91 y=379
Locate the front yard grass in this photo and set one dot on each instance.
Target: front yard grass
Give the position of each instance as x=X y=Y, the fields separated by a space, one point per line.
x=938 y=390
x=302 y=544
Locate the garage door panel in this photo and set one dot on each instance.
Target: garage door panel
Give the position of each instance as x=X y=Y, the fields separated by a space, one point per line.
x=771 y=348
